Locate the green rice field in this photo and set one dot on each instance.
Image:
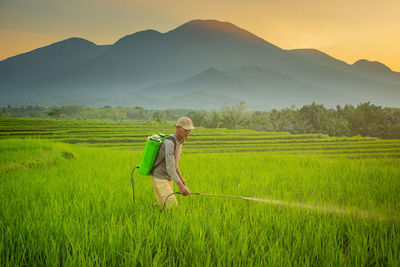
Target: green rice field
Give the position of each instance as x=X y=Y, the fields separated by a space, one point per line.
x=66 y=198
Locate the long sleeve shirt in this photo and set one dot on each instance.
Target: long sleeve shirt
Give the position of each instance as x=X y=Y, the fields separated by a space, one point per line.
x=167 y=160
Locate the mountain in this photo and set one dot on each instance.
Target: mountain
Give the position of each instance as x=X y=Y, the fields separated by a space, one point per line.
x=377 y=70
x=370 y=66
x=34 y=66
x=207 y=90
x=363 y=67
x=202 y=64
x=319 y=57
x=261 y=88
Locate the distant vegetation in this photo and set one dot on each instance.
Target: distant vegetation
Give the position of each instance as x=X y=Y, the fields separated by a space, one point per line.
x=365 y=119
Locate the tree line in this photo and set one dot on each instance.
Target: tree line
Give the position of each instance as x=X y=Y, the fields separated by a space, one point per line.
x=365 y=119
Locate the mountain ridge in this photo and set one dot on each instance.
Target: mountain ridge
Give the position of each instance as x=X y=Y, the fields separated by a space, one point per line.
x=215 y=58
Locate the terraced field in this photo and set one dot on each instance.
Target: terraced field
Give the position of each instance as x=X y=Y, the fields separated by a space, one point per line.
x=307 y=200
x=131 y=135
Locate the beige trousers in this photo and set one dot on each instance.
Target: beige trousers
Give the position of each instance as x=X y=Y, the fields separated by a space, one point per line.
x=163 y=188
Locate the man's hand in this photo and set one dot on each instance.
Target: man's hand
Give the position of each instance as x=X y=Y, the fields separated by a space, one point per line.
x=184 y=189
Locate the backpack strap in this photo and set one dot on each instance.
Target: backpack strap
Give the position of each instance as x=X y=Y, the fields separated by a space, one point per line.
x=156 y=165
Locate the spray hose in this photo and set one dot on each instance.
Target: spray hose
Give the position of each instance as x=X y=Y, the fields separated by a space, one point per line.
x=203 y=194
x=179 y=193
x=133 y=188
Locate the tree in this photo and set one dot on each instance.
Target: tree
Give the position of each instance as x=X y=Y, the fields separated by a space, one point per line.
x=367 y=120
x=234 y=116
x=160 y=116
x=391 y=123
x=258 y=121
x=54 y=112
x=199 y=118
x=314 y=115
x=300 y=127
x=278 y=121
x=215 y=120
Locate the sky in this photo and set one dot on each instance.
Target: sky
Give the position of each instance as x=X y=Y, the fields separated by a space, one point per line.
x=345 y=29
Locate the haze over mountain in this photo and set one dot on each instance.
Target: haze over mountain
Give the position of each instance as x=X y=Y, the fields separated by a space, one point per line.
x=202 y=64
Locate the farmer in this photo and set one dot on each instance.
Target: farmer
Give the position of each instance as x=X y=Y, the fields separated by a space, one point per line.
x=166 y=164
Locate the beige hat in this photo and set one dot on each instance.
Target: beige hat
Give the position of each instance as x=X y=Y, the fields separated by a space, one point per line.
x=185 y=123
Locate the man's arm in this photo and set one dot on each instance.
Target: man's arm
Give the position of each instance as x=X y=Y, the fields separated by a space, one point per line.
x=171 y=170
x=170 y=161
x=180 y=176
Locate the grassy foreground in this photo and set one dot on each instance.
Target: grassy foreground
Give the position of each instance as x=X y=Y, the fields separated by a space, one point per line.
x=72 y=205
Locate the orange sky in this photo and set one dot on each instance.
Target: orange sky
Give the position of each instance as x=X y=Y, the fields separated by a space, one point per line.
x=348 y=30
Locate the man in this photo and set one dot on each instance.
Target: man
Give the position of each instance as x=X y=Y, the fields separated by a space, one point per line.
x=166 y=164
